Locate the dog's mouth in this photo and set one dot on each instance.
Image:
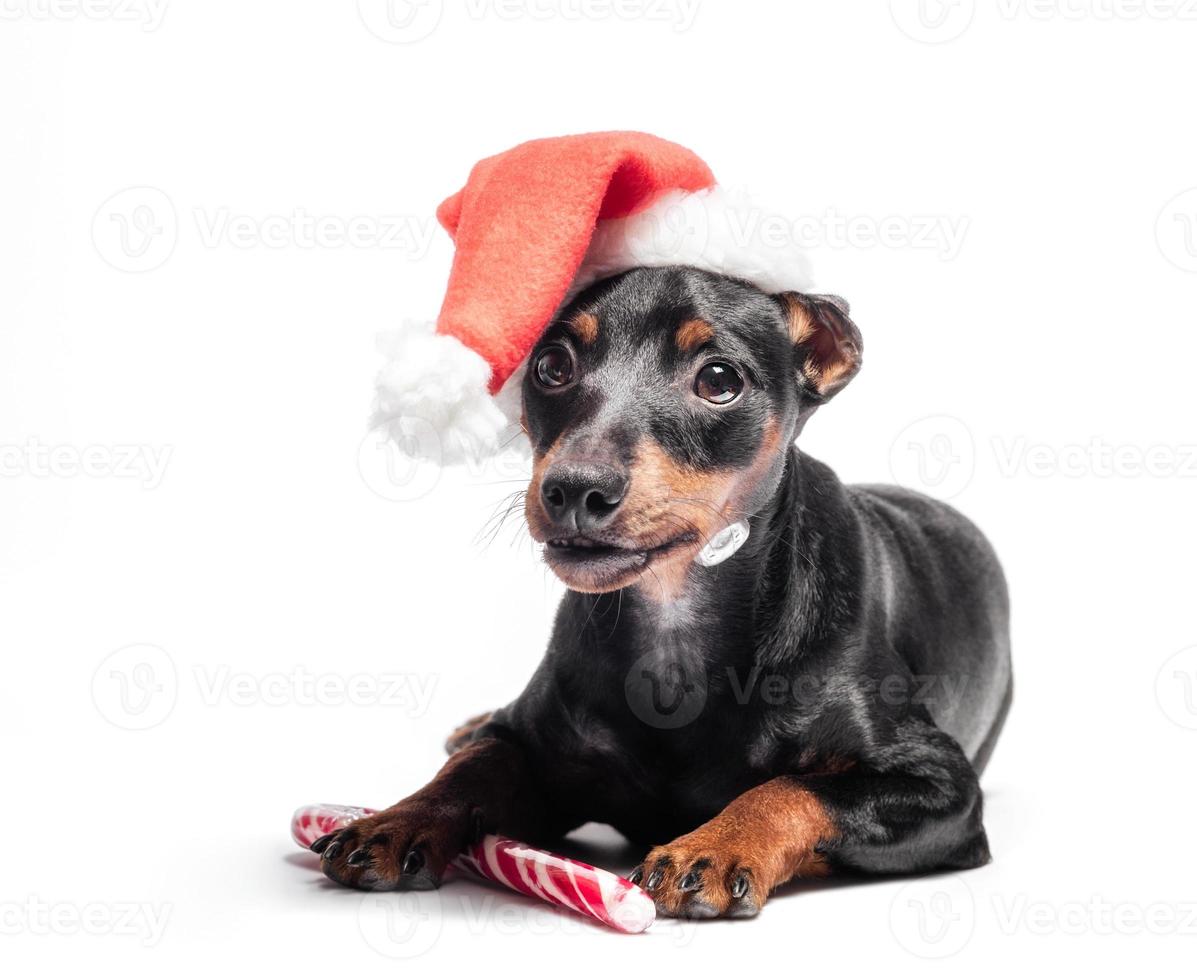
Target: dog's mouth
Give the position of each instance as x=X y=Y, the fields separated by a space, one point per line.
x=596 y=565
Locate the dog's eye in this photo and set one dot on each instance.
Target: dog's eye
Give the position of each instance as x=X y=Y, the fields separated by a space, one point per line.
x=718 y=384
x=554 y=367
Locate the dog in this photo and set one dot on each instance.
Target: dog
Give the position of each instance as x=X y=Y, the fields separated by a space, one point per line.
x=823 y=700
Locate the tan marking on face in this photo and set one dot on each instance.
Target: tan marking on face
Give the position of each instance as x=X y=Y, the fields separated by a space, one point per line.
x=585 y=327
x=665 y=500
x=693 y=334
x=538 y=521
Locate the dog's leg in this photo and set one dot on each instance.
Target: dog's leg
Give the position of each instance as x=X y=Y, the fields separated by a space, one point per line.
x=915 y=806
x=464 y=733
x=485 y=786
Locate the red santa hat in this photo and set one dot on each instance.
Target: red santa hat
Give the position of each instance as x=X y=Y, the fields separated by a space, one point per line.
x=532 y=227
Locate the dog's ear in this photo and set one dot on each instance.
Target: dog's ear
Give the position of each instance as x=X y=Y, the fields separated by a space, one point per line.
x=827 y=345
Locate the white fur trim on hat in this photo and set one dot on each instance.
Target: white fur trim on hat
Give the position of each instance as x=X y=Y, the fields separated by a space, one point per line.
x=433 y=392
x=718 y=230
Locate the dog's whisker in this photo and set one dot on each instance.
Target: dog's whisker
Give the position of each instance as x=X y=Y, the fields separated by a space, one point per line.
x=503 y=510
x=618 y=610
x=589 y=616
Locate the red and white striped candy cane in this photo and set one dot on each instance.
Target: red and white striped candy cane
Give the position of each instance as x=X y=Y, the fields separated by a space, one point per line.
x=310 y=823
x=560 y=881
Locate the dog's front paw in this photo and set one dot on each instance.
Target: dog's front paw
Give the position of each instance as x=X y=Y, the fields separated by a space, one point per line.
x=407 y=846
x=701 y=876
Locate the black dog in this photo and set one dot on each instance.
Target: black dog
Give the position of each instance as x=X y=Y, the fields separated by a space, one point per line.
x=824 y=699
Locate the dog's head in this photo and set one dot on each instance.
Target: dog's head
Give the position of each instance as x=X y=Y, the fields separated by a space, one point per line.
x=660 y=406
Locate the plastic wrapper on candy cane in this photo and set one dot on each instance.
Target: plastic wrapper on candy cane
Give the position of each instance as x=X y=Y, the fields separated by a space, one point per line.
x=560 y=881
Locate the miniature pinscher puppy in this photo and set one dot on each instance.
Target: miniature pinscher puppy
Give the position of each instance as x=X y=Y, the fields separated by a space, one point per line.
x=822 y=700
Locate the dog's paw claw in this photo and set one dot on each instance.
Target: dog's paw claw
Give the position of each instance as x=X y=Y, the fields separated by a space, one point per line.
x=405 y=847
x=413 y=862
x=698 y=886
x=320 y=843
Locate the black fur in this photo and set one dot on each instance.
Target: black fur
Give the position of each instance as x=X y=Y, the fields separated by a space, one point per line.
x=859 y=640
x=842 y=677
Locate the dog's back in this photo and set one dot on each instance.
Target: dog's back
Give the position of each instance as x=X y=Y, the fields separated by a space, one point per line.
x=949 y=609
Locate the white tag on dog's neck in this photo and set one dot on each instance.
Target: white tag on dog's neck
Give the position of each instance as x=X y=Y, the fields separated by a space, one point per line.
x=724 y=544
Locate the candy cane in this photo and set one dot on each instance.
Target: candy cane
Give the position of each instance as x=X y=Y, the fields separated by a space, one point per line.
x=560 y=881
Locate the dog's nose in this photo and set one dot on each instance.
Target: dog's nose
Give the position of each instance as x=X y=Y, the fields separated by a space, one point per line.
x=582 y=496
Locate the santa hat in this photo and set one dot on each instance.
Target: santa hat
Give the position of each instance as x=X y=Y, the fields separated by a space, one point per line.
x=532 y=227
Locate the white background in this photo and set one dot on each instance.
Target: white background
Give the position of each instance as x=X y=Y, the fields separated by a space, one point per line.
x=187 y=471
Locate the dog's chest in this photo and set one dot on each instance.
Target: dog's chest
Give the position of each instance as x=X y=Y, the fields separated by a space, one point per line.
x=670 y=744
